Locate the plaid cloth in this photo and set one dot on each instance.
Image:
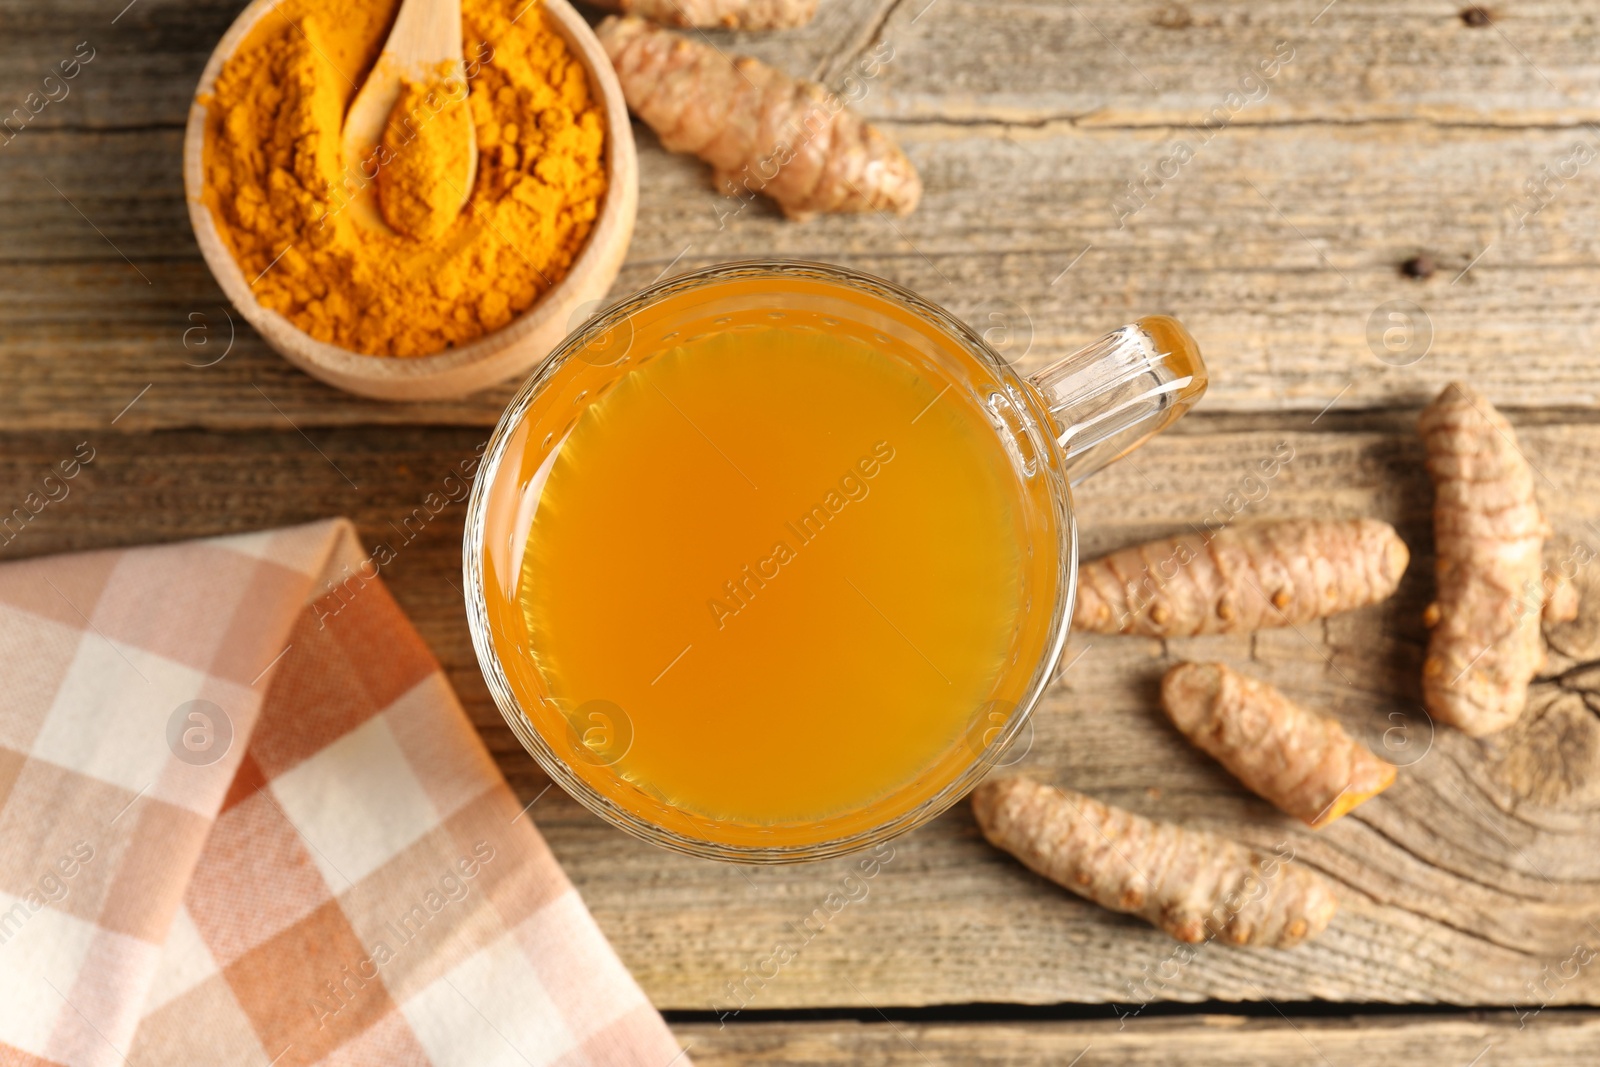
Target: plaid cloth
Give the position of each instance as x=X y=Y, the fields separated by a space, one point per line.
x=244 y=820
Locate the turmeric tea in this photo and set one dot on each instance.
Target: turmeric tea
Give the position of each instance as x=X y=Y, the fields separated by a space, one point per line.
x=279 y=189
x=825 y=599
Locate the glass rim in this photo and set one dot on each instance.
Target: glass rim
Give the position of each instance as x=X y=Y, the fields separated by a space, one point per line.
x=510 y=707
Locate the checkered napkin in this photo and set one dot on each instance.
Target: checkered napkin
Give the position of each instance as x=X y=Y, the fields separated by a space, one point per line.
x=244 y=820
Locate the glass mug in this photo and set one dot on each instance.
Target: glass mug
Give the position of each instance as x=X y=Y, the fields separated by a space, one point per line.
x=860 y=675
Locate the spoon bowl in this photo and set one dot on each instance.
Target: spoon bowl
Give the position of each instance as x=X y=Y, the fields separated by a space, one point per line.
x=424 y=47
x=505 y=353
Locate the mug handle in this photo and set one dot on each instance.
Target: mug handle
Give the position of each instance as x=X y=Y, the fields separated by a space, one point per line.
x=1108 y=398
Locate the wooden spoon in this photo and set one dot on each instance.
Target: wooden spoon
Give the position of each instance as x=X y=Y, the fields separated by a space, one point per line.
x=424 y=47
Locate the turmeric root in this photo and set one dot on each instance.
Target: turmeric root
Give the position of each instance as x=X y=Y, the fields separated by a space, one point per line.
x=1239 y=580
x=1302 y=762
x=1192 y=885
x=730 y=14
x=1486 y=645
x=761 y=130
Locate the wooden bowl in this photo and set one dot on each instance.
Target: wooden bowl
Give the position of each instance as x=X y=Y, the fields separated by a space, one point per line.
x=509 y=351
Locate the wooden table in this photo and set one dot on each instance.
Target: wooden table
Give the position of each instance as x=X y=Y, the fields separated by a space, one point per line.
x=1392 y=131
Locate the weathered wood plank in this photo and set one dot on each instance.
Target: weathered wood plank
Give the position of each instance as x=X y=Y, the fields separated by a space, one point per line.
x=1556 y=1041
x=1473 y=880
x=1553 y=1040
x=143 y=62
x=1163 y=63
x=1284 y=304
x=1024 y=62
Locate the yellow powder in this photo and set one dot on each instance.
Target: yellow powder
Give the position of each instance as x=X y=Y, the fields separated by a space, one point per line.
x=280 y=194
x=424 y=165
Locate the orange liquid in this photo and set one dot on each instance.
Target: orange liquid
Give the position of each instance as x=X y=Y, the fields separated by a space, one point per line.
x=786 y=567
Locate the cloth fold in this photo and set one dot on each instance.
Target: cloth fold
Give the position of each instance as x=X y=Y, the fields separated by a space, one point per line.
x=244 y=820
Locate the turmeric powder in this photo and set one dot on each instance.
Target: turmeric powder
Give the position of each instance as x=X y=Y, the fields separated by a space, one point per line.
x=1191 y=884
x=422 y=184
x=278 y=189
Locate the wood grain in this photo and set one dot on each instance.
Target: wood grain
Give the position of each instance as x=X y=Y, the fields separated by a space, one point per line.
x=1550 y=1040
x=1277 y=244
x=1473 y=880
x=1395 y=130
x=966 y=60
